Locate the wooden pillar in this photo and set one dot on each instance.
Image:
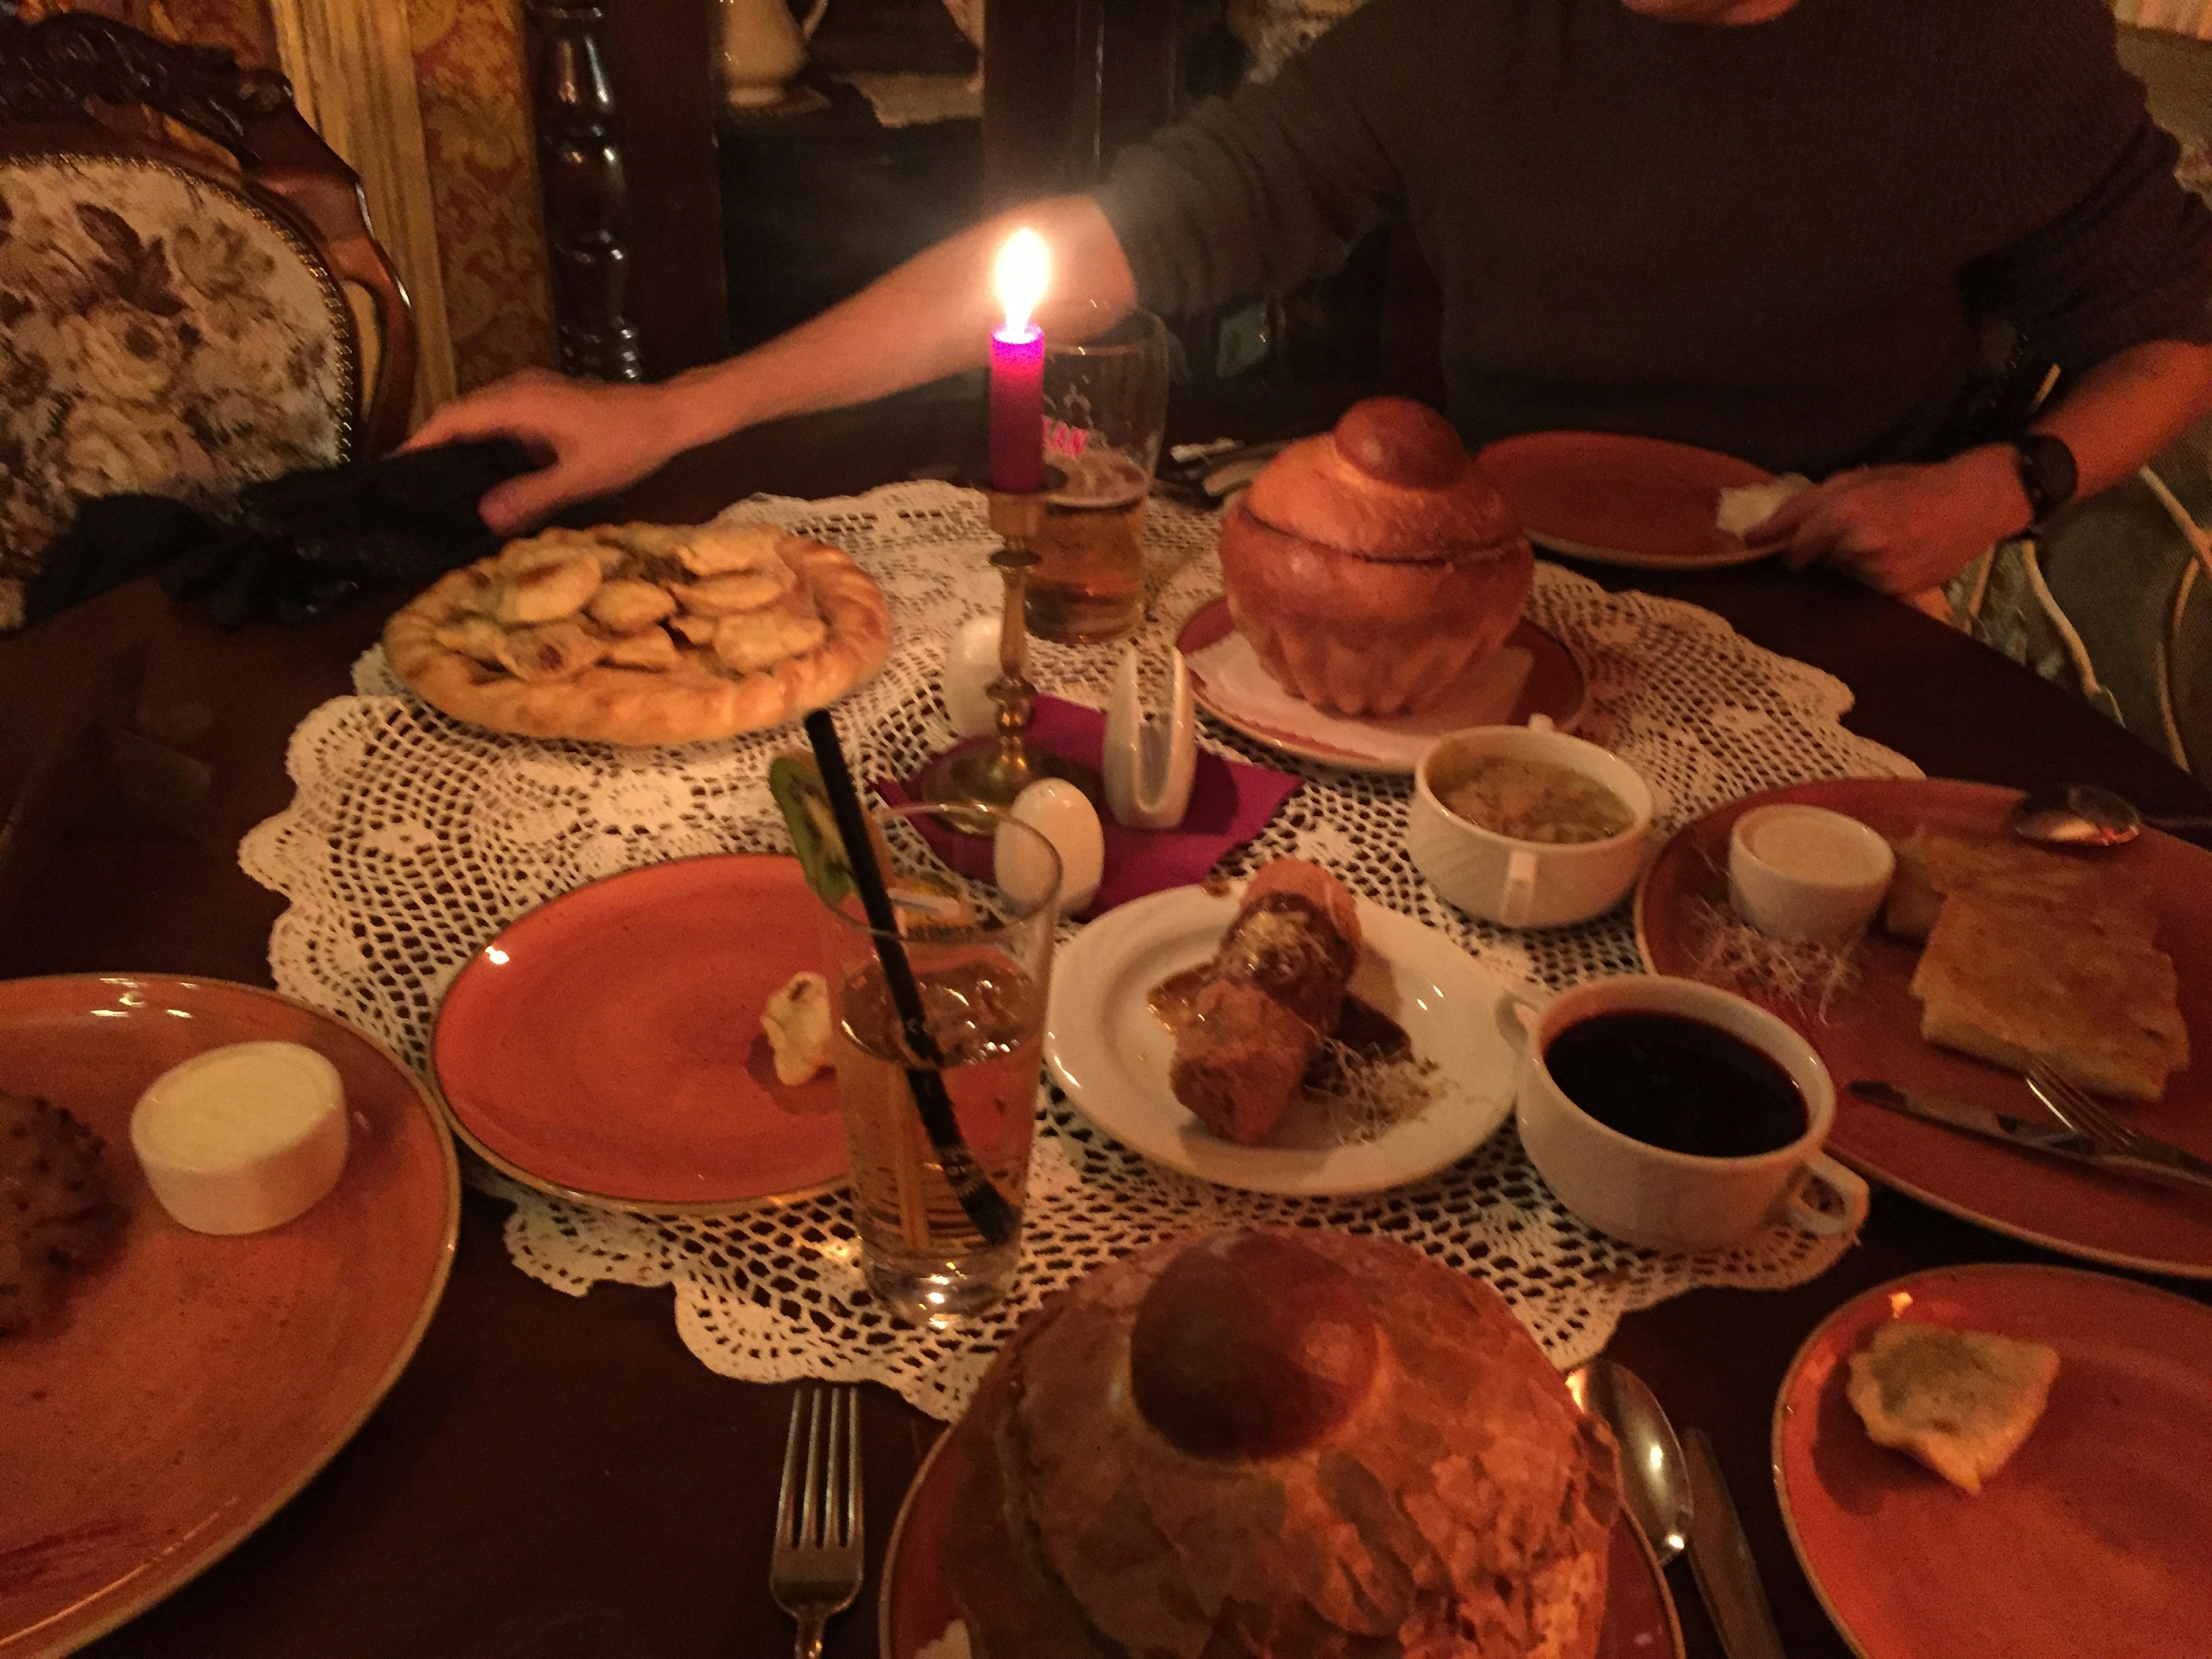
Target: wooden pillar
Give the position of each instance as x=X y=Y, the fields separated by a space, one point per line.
x=579 y=169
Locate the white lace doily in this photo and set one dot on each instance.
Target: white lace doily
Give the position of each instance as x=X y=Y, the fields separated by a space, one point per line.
x=413 y=839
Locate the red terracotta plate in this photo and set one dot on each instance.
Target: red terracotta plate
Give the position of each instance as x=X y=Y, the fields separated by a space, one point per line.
x=1874 y=1032
x=2093 y=1539
x=915 y=1605
x=607 y=1047
x=187 y=1386
x=1556 y=689
x=1618 y=500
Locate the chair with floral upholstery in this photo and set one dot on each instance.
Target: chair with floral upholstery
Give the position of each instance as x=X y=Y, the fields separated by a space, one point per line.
x=191 y=297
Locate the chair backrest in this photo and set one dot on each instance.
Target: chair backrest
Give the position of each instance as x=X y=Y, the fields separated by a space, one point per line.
x=191 y=297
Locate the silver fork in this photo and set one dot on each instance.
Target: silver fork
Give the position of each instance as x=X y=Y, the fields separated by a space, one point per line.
x=2081 y=1112
x=815 y=1571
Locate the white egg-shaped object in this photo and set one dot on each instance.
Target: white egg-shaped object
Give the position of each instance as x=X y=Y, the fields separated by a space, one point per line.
x=1063 y=816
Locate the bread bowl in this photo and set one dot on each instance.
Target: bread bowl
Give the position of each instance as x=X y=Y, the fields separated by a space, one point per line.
x=1306 y=1445
x=1369 y=567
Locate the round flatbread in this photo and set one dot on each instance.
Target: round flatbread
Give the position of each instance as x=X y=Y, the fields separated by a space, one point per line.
x=799 y=623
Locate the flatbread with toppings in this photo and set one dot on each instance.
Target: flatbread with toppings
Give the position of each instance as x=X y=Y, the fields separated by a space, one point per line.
x=643 y=633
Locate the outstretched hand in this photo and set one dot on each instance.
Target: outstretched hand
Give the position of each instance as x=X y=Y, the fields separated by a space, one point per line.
x=598 y=438
x=1900 y=529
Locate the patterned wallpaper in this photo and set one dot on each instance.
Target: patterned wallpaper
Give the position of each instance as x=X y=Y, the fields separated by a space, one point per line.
x=476 y=128
x=483 y=181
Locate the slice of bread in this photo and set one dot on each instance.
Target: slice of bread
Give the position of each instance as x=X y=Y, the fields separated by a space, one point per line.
x=2012 y=984
x=1935 y=864
x=1961 y=1401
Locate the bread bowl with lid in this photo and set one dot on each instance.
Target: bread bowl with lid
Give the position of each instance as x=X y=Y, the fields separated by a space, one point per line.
x=1371 y=565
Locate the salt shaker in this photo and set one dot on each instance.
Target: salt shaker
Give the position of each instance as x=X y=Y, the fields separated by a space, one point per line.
x=1150 y=757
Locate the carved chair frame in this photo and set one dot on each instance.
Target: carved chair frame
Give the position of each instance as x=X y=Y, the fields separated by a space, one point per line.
x=68 y=85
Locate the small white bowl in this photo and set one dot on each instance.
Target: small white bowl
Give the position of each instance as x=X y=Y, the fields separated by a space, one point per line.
x=1526 y=884
x=1807 y=874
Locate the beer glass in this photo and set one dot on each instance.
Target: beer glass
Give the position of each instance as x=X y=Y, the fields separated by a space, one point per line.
x=1105 y=411
x=981 y=948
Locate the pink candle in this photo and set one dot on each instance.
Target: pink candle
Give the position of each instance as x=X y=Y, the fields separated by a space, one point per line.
x=1017 y=409
x=1017 y=367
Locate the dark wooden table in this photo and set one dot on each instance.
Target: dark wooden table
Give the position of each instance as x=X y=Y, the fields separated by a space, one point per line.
x=556 y=1476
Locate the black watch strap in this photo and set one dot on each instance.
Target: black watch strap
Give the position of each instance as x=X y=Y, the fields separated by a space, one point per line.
x=2046 y=472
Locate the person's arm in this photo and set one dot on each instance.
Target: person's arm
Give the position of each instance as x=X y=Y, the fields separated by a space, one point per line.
x=1902 y=529
x=927 y=319
x=2114 y=289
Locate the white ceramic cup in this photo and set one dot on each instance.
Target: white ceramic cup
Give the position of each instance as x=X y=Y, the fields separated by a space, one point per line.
x=1525 y=883
x=1671 y=1201
x=1806 y=873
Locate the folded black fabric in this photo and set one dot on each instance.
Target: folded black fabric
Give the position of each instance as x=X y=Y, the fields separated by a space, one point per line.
x=291 y=548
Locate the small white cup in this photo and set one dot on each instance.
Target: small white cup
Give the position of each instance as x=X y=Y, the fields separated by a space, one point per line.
x=1806 y=873
x=1672 y=1200
x=1525 y=883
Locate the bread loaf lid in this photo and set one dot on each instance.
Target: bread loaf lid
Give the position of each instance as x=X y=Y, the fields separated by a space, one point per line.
x=1391 y=483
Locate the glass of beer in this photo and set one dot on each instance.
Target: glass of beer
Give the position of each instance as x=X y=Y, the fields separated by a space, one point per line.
x=979 y=940
x=1105 y=411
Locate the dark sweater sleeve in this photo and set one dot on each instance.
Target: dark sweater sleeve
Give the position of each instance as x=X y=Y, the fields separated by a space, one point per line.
x=2130 y=262
x=1258 y=191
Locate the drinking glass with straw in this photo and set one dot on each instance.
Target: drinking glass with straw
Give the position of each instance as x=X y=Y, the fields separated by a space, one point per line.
x=936 y=987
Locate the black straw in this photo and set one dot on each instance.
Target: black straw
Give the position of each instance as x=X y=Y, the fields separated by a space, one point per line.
x=986 y=1206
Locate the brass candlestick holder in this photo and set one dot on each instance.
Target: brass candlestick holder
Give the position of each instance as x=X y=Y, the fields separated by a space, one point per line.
x=996 y=771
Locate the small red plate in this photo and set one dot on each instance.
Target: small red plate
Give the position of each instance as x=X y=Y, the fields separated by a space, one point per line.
x=607 y=1047
x=1618 y=500
x=1874 y=1033
x=1556 y=688
x=2093 y=1539
x=187 y=1386
x=915 y=1605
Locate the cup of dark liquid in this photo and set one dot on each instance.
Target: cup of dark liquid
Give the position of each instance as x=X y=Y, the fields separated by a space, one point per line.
x=1674 y=1114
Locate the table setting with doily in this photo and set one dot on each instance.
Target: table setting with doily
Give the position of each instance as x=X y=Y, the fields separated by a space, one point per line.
x=1259 y=1114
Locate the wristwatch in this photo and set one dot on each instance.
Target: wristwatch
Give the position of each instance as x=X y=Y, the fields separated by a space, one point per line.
x=2046 y=472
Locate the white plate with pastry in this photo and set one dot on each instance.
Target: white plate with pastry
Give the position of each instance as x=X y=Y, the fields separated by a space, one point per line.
x=2003 y=1459
x=643 y=633
x=1370 y=1113
x=2097 y=959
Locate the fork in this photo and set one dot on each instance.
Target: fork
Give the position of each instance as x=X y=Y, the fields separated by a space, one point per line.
x=815 y=1572
x=2075 y=1108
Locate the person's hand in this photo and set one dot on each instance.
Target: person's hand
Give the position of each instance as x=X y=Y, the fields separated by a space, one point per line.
x=1900 y=529
x=598 y=437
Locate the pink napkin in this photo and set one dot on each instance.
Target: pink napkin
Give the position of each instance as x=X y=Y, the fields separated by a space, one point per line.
x=1230 y=804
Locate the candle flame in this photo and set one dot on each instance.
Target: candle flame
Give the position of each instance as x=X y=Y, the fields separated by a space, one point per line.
x=1025 y=267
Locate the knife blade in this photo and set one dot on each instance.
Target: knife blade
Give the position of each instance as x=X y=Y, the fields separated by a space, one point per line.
x=1719 y=1559
x=2044 y=1135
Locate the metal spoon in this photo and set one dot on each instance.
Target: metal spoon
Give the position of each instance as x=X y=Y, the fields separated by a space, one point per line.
x=1680 y=1502
x=1655 y=1478
x=2083 y=815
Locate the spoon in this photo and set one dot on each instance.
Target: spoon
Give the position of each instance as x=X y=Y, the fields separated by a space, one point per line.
x=2083 y=815
x=1654 y=1474
x=1680 y=1502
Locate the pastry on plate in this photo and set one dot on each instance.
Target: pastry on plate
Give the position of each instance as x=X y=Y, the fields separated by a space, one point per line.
x=1371 y=566
x=56 y=1213
x=1305 y=1445
x=643 y=633
x=2033 y=955
x=1253 y=1019
x=1961 y=1401
x=796 y=1023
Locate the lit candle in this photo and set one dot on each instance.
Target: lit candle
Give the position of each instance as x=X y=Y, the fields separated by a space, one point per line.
x=1017 y=367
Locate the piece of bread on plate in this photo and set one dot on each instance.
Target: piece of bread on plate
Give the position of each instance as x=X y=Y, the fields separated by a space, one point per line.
x=2013 y=985
x=1961 y=1401
x=1935 y=864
